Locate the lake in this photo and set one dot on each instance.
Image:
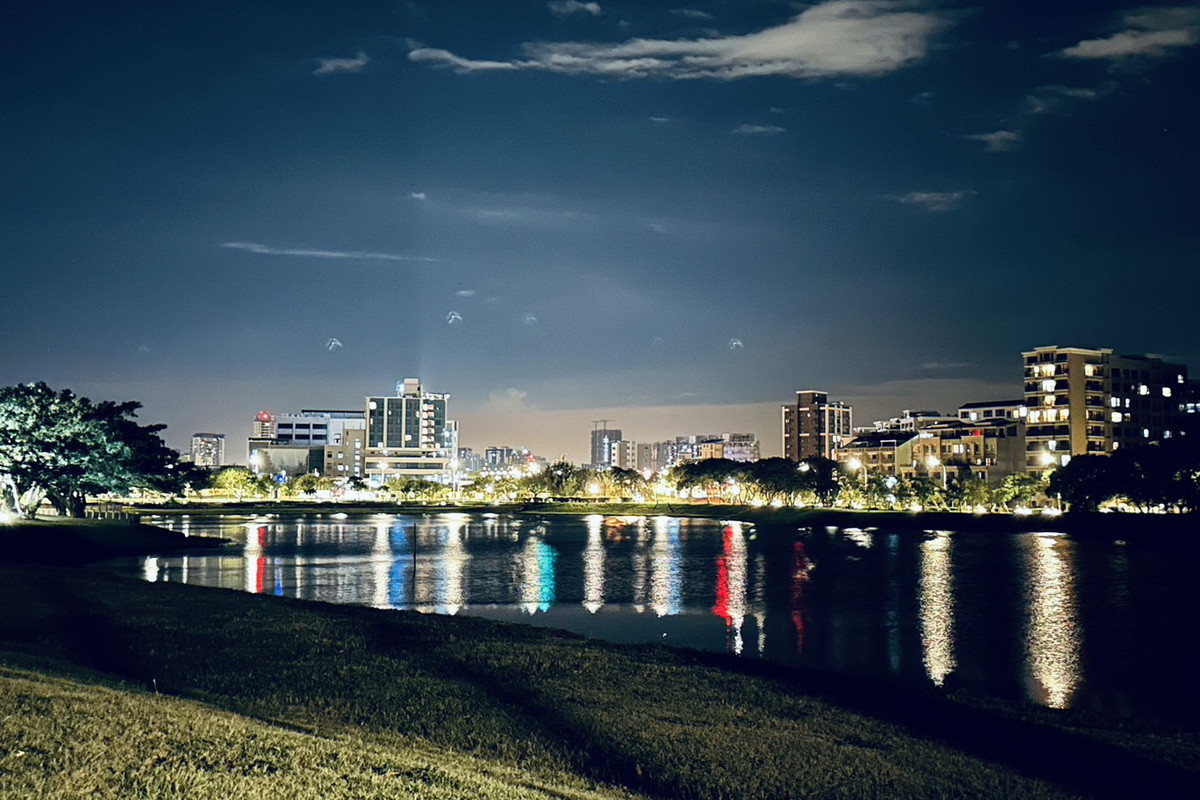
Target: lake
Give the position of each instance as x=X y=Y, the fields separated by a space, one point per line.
x=1067 y=623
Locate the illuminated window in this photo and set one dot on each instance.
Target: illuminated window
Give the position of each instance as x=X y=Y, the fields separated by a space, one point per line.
x=1048 y=385
x=1115 y=402
x=1048 y=400
x=1145 y=433
x=1143 y=389
x=1117 y=416
x=1089 y=370
x=1166 y=391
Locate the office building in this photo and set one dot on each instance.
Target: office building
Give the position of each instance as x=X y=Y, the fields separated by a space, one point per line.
x=316 y=427
x=1085 y=401
x=208 y=449
x=263 y=426
x=814 y=426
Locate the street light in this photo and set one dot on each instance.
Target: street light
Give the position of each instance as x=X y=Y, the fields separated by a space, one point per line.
x=934 y=461
x=855 y=466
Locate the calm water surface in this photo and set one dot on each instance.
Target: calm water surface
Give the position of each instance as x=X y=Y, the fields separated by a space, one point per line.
x=1089 y=624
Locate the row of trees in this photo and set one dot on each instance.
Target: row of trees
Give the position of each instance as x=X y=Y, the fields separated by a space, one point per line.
x=815 y=481
x=57 y=446
x=1160 y=476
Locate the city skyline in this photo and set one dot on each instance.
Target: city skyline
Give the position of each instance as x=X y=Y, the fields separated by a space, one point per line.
x=671 y=216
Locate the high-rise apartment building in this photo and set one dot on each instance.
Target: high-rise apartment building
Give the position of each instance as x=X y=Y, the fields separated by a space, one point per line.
x=407 y=435
x=602 y=439
x=208 y=449
x=1084 y=401
x=814 y=426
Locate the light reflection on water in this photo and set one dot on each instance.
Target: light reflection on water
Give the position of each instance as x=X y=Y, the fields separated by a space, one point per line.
x=1052 y=651
x=1002 y=614
x=937 y=606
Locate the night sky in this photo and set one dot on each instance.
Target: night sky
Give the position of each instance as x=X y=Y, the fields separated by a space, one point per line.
x=670 y=216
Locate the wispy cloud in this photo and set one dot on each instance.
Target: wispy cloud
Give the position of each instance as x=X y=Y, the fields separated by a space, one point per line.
x=746 y=129
x=1145 y=33
x=328 y=66
x=304 y=252
x=835 y=38
x=417 y=196
x=565 y=8
x=931 y=201
x=945 y=365
x=523 y=216
x=1049 y=99
x=660 y=119
x=691 y=13
x=997 y=141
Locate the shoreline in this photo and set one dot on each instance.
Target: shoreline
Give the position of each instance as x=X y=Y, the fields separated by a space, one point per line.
x=1180 y=527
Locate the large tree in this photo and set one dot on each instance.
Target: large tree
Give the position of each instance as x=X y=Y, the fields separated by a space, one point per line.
x=58 y=446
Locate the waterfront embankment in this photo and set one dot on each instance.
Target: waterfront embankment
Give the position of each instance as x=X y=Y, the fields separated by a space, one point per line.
x=122 y=687
x=1088 y=524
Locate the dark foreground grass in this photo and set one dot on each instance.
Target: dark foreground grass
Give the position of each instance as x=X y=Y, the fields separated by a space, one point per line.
x=65 y=739
x=77 y=541
x=464 y=694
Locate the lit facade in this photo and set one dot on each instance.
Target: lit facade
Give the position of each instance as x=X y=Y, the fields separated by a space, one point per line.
x=346 y=459
x=814 y=426
x=1083 y=401
x=208 y=449
x=407 y=435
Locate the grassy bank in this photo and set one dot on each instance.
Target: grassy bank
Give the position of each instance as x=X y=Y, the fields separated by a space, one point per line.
x=287 y=698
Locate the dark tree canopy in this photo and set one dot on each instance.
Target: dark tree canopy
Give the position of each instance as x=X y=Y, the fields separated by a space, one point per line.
x=58 y=446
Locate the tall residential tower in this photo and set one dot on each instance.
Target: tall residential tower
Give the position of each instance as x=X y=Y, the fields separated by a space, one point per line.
x=814 y=426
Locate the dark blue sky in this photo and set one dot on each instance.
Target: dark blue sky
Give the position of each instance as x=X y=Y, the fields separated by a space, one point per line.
x=673 y=216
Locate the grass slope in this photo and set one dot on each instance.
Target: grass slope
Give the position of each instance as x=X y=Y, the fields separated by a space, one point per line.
x=65 y=739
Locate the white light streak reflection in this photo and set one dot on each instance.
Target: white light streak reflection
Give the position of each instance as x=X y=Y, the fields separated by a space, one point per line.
x=451 y=594
x=666 y=579
x=1052 y=641
x=593 y=565
x=937 y=607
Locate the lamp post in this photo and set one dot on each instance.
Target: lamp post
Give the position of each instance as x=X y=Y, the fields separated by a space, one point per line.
x=934 y=461
x=858 y=466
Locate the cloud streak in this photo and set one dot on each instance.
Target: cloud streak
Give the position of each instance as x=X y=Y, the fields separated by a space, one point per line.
x=565 y=8
x=1145 y=33
x=746 y=129
x=329 y=66
x=262 y=249
x=932 y=201
x=997 y=141
x=836 y=38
